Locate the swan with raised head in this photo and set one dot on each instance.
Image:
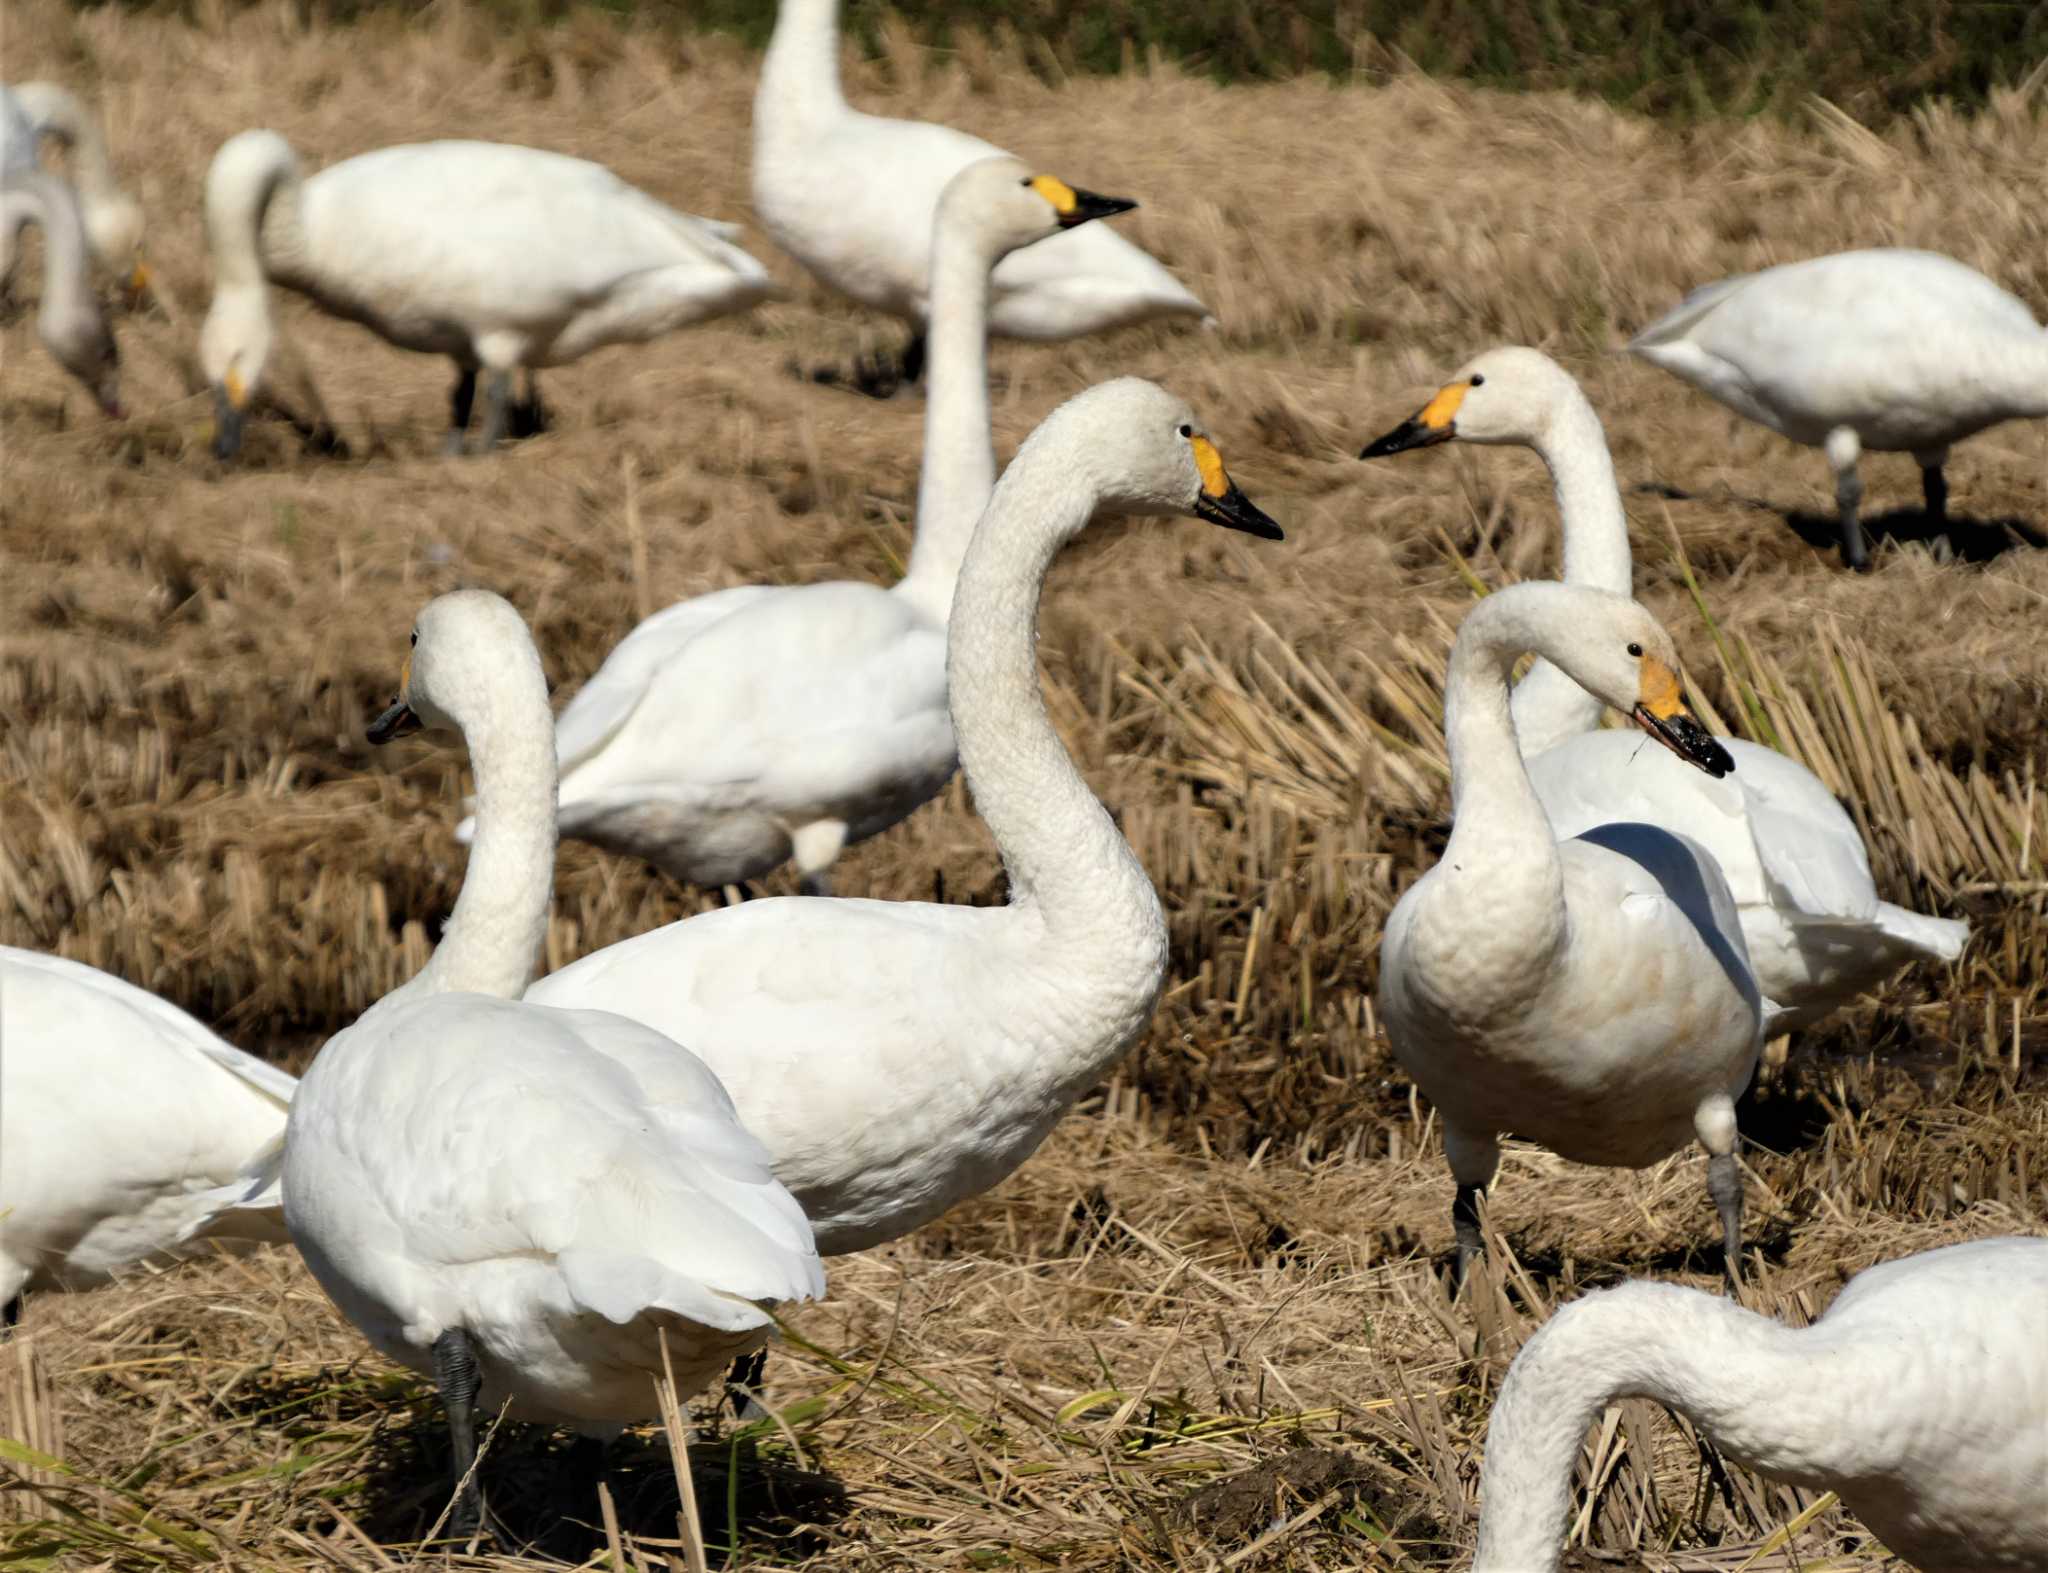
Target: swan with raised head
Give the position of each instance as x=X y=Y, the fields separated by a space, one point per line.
x=1920 y=1398
x=69 y=320
x=759 y=723
x=526 y=1202
x=852 y=197
x=119 y=1114
x=897 y=1057
x=1892 y=350
x=1590 y=994
x=1816 y=931
x=499 y=257
x=113 y=219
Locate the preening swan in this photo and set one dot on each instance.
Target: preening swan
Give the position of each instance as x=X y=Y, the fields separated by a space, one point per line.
x=852 y=197
x=113 y=219
x=498 y=257
x=1892 y=350
x=897 y=1057
x=741 y=728
x=526 y=1201
x=1920 y=1398
x=1816 y=931
x=1590 y=994
x=118 y=1114
x=69 y=320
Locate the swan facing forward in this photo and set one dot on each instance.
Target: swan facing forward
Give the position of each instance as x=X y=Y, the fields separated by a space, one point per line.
x=1920 y=1398
x=69 y=321
x=1891 y=350
x=738 y=729
x=1592 y=994
x=119 y=1114
x=527 y=1201
x=897 y=1057
x=852 y=197
x=498 y=257
x=1816 y=932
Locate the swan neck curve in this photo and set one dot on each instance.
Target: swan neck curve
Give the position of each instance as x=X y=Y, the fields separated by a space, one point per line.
x=252 y=211
x=54 y=111
x=67 y=286
x=800 y=72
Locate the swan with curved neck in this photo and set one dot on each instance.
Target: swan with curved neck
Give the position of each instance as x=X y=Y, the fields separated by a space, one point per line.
x=852 y=197
x=113 y=219
x=898 y=1057
x=1920 y=1398
x=733 y=731
x=1816 y=931
x=523 y=1201
x=1591 y=994
x=68 y=321
x=498 y=257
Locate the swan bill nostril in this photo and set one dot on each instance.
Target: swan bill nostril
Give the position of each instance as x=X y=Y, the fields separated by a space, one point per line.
x=1411 y=433
x=1685 y=737
x=1235 y=511
x=396 y=721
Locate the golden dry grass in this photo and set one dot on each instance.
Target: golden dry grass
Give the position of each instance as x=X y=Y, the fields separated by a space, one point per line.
x=1222 y=1262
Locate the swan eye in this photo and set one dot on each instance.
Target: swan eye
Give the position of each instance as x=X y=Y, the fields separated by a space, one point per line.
x=1186 y=430
x=1636 y=650
x=1478 y=381
x=416 y=641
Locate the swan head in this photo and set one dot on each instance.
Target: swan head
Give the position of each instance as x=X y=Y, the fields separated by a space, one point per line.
x=469 y=648
x=1004 y=202
x=82 y=343
x=113 y=228
x=1508 y=395
x=234 y=347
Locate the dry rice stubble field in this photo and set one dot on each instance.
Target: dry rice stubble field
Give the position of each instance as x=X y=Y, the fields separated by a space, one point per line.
x=1201 y=1329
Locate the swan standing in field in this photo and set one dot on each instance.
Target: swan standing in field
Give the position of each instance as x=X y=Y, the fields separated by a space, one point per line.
x=118 y=1115
x=69 y=320
x=1920 y=1398
x=1816 y=932
x=526 y=1201
x=896 y=1057
x=759 y=723
x=852 y=197
x=1590 y=994
x=113 y=219
x=1892 y=350
x=498 y=257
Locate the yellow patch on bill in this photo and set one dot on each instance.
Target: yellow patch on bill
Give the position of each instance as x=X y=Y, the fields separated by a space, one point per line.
x=237 y=390
x=139 y=279
x=405 y=678
x=1659 y=690
x=1210 y=463
x=1440 y=411
x=1057 y=192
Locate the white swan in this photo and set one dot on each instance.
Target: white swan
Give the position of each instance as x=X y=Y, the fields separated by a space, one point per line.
x=1590 y=994
x=118 y=1114
x=1816 y=931
x=897 y=1057
x=741 y=728
x=525 y=1201
x=852 y=196
x=113 y=219
x=69 y=320
x=495 y=256
x=1920 y=1398
x=1897 y=351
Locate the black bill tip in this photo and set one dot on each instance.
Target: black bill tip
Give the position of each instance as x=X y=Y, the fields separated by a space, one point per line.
x=227 y=425
x=394 y=722
x=1411 y=433
x=1235 y=511
x=1690 y=741
x=1090 y=205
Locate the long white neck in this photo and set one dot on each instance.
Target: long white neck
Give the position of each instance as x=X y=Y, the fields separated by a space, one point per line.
x=47 y=200
x=492 y=941
x=959 y=473
x=1777 y=1400
x=1066 y=860
x=252 y=209
x=799 y=86
x=55 y=111
x=1548 y=706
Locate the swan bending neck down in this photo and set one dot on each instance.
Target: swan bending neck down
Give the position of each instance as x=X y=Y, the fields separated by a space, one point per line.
x=898 y=1057
x=1591 y=995
x=69 y=321
x=539 y=1206
x=113 y=219
x=1920 y=1398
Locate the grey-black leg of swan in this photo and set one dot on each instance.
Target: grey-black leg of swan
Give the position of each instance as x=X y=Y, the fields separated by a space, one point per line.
x=461 y=401
x=818 y=884
x=743 y=1381
x=1724 y=1184
x=1843 y=449
x=1474 y=1160
x=1465 y=1221
x=457 y=1375
x=1934 y=488
x=529 y=417
x=497 y=410
x=10 y=1315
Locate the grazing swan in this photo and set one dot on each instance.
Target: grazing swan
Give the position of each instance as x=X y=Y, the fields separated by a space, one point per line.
x=69 y=320
x=852 y=196
x=526 y=1201
x=118 y=1114
x=1590 y=994
x=1920 y=1398
x=495 y=256
x=896 y=1057
x=741 y=728
x=1817 y=933
x=113 y=219
x=1897 y=351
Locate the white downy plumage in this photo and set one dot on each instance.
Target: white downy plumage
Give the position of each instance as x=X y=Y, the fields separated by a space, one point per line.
x=119 y=1114
x=898 y=1057
x=519 y=1197
x=496 y=256
x=738 y=729
x=1920 y=1398
x=1816 y=931
x=1589 y=994
x=1893 y=350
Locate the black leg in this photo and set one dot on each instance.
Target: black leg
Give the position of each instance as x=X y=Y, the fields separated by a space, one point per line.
x=1849 y=500
x=497 y=410
x=818 y=884
x=1934 y=488
x=746 y=1374
x=911 y=365
x=10 y=1315
x=1724 y=1184
x=529 y=417
x=456 y=1374
x=461 y=402
x=1465 y=1219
